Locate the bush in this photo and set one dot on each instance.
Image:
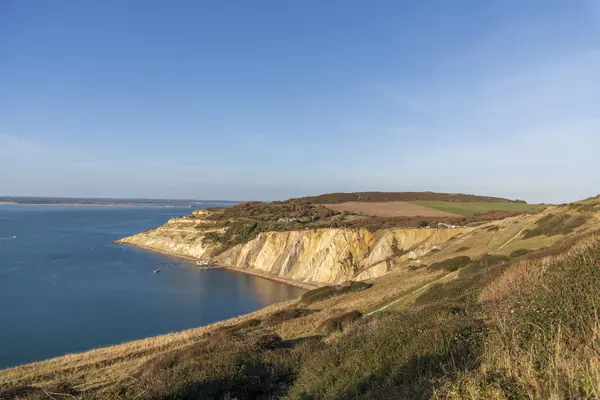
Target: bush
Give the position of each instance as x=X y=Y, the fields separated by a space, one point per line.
x=487 y=260
x=225 y=366
x=520 y=253
x=269 y=341
x=392 y=355
x=286 y=315
x=326 y=292
x=341 y=322
x=452 y=264
x=552 y=225
x=251 y=323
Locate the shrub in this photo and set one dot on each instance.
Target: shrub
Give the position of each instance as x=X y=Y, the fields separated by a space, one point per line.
x=520 y=253
x=452 y=264
x=552 y=225
x=397 y=251
x=269 y=341
x=229 y=366
x=341 y=322
x=326 y=292
x=286 y=315
x=251 y=323
x=392 y=355
x=488 y=260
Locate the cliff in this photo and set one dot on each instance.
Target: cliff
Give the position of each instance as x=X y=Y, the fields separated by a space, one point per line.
x=319 y=256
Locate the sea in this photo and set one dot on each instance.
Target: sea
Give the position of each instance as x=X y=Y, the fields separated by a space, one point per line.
x=66 y=287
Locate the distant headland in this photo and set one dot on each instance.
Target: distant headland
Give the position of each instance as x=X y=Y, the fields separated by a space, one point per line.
x=110 y=202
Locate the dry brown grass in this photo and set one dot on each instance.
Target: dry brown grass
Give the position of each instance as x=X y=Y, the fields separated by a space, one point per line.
x=388 y=209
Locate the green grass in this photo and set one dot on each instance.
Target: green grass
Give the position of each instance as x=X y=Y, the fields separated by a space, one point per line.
x=469 y=209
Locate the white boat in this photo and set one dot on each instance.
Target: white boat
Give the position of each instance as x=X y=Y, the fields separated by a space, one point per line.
x=156 y=271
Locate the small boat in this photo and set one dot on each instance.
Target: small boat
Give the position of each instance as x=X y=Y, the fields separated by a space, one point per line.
x=14 y=237
x=156 y=271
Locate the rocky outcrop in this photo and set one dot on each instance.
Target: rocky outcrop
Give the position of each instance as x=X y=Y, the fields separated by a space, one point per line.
x=323 y=256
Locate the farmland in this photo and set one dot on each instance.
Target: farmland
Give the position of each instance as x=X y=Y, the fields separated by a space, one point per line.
x=388 y=209
x=469 y=209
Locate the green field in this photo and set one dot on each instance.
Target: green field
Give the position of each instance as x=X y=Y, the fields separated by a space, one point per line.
x=477 y=207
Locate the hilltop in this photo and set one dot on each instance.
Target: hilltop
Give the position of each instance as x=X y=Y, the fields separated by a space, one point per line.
x=330 y=198
x=501 y=309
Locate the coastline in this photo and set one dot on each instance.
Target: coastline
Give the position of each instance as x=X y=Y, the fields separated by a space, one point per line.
x=260 y=274
x=16 y=203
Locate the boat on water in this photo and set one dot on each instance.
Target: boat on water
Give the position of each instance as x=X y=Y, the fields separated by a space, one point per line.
x=156 y=271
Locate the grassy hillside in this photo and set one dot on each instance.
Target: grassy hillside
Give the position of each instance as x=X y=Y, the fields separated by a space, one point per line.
x=496 y=313
x=478 y=207
x=332 y=198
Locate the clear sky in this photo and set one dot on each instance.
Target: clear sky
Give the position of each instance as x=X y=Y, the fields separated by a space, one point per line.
x=273 y=99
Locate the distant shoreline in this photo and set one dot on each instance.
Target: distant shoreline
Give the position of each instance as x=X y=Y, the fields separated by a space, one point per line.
x=16 y=203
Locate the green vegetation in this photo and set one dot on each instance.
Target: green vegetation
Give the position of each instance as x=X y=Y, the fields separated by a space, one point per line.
x=332 y=198
x=551 y=225
x=396 y=250
x=341 y=322
x=470 y=209
x=492 y=259
x=258 y=211
x=326 y=292
x=286 y=315
x=451 y=264
x=243 y=222
x=520 y=253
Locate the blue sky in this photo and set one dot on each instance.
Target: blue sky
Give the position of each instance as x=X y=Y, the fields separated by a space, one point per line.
x=272 y=99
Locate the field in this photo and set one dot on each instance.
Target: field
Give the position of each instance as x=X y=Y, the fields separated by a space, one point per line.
x=469 y=209
x=388 y=209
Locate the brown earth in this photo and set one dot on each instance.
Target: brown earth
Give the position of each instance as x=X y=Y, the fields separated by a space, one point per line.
x=388 y=209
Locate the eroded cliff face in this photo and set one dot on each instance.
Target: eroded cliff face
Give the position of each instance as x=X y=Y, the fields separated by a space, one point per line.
x=323 y=256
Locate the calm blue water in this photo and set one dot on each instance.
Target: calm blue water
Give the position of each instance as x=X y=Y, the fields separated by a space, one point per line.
x=65 y=287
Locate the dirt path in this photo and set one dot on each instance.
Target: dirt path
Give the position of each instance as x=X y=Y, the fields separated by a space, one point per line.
x=513 y=238
x=403 y=297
